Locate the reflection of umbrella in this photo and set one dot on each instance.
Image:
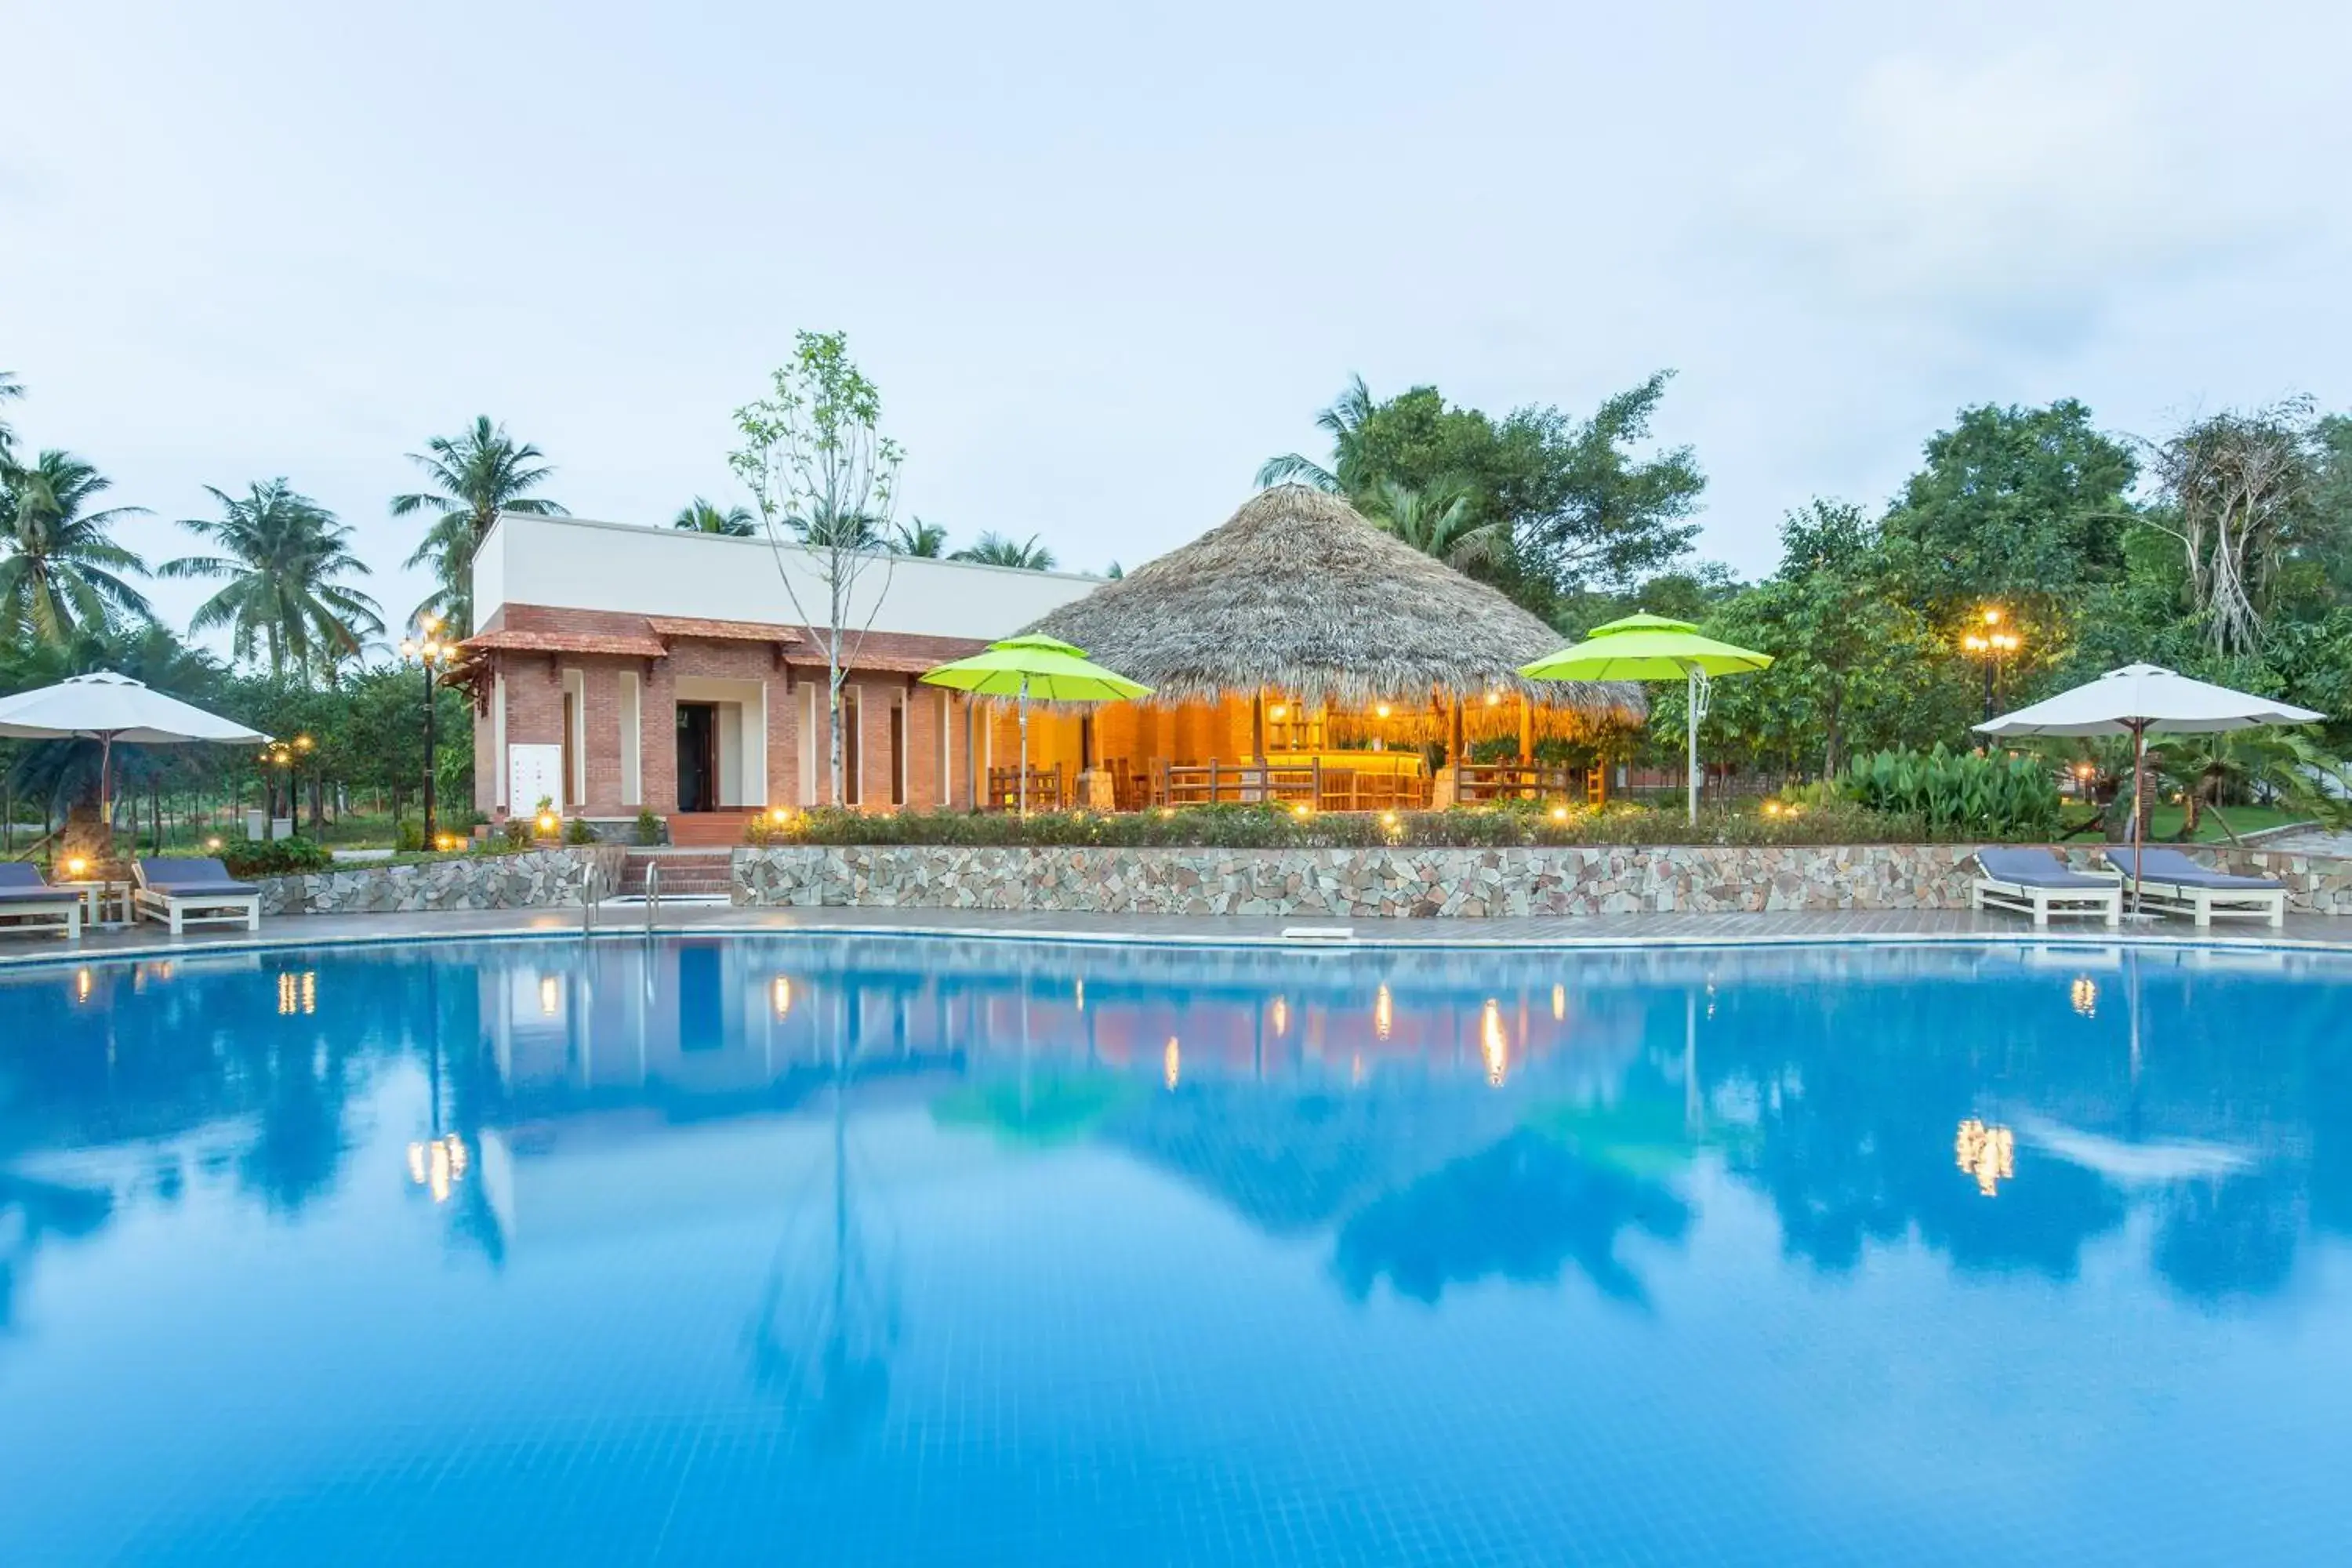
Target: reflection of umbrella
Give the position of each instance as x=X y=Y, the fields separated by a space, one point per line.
x=1652 y=648
x=1055 y=1110
x=1044 y=667
x=106 y=708
x=2132 y=701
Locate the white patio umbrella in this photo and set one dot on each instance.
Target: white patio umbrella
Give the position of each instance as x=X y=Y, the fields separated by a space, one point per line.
x=106 y=708
x=2136 y=699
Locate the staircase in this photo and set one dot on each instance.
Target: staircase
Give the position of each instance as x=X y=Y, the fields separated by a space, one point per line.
x=689 y=875
x=708 y=830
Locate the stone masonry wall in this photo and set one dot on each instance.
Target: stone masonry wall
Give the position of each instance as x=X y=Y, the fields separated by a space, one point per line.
x=539 y=879
x=1584 y=881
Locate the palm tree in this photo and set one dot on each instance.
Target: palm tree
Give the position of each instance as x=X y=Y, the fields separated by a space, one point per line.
x=699 y=515
x=1000 y=550
x=1345 y=421
x=11 y=389
x=282 y=554
x=475 y=476
x=1436 y=522
x=2280 y=763
x=919 y=538
x=60 y=570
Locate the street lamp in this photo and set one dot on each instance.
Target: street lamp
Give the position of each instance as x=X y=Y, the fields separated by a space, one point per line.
x=288 y=755
x=427 y=650
x=1990 y=645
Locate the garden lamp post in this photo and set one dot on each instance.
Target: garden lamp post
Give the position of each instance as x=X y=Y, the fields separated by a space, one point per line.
x=1989 y=644
x=427 y=650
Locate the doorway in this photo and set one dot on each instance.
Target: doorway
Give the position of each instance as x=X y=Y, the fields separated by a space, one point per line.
x=698 y=756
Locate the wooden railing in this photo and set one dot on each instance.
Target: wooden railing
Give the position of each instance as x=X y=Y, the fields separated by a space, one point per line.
x=1478 y=783
x=1314 y=784
x=1047 y=790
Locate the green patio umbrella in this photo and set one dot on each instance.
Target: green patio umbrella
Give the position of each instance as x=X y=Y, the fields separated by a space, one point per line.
x=1652 y=648
x=1047 y=669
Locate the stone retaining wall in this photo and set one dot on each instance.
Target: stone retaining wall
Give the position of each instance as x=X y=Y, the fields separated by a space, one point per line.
x=1584 y=881
x=537 y=879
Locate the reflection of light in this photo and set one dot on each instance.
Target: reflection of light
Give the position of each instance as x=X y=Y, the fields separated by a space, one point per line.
x=1171 y=1062
x=298 y=993
x=1491 y=1041
x=1356 y=1068
x=81 y=984
x=1987 y=1153
x=1559 y=1002
x=1079 y=991
x=1281 y=1017
x=1383 y=1012
x=781 y=995
x=2084 y=995
x=438 y=1165
x=550 y=995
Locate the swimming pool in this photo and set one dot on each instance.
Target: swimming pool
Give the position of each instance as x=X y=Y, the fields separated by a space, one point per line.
x=867 y=1251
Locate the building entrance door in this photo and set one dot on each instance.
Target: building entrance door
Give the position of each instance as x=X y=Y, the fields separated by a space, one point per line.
x=698 y=756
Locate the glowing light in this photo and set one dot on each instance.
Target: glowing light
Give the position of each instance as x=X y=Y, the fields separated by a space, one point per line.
x=1381 y=711
x=78 y=867
x=1493 y=698
x=1383 y=1014
x=438 y=1165
x=1278 y=712
x=550 y=995
x=213 y=844
x=298 y=993
x=82 y=985
x=1559 y=1002
x=1079 y=990
x=2084 y=995
x=780 y=996
x=1772 y=808
x=547 y=821
x=1388 y=819
x=779 y=816
x=1987 y=1153
x=1302 y=810
x=1993 y=615
x=1559 y=813
x=1171 y=1063
x=1166 y=812
x=1492 y=1044
x=1281 y=1017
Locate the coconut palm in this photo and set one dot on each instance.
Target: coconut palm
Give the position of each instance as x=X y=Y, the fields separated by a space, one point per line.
x=2278 y=763
x=11 y=389
x=475 y=476
x=699 y=515
x=284 y=557
x=1345 y=421
x=919 y=538
x=1437 y=521
x=60 y=570
x=1002 y=550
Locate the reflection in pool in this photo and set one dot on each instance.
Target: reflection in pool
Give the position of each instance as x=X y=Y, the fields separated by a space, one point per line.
x=867 y=1251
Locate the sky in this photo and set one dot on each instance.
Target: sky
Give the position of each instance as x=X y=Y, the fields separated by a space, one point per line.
x=1103 y=261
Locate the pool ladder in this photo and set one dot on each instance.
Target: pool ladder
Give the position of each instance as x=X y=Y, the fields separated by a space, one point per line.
x=653 y=895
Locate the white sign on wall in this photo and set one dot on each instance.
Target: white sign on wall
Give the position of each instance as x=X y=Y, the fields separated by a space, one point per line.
x=533 y=774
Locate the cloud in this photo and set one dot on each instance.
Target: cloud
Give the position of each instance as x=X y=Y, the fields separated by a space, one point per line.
x=2014 y=197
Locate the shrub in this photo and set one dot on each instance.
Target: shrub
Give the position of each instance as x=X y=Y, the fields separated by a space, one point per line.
x=409 y=839
x=649 y=828
x=1966 y=792
x=577 y=831
x=516 y=833
x=285 y=857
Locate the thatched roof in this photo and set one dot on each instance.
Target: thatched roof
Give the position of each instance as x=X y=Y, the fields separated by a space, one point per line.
x=1297 y=593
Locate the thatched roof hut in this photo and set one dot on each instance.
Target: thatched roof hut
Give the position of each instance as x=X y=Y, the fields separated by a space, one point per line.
x=1297 y=593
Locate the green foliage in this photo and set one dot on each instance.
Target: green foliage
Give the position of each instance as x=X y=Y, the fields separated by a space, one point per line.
x=408 y=838
x=1967 y=792
x=1003 y=549
x=1277 y=828
x=283 y=857
x=577 y=832
x=516 y=833
x=649 y=828
x=284 y=557
x=60 y=570
x=699 y=515
x=471 y=478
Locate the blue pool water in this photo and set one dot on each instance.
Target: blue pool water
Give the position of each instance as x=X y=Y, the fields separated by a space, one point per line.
x=875 y=1252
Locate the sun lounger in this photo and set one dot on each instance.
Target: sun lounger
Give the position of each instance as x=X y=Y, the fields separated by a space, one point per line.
x=2037 y=882
x=2172 y=881
x=181 y=893
x=29 y=904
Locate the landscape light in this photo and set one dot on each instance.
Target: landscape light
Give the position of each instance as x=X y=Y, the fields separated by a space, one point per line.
x=1559 y=813
x=78 y=867
x=547 y=821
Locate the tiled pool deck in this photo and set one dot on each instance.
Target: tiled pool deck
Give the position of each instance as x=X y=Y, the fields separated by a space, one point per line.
x=2309 y=932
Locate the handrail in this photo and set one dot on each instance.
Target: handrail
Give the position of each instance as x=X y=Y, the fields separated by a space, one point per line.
x=653 y=895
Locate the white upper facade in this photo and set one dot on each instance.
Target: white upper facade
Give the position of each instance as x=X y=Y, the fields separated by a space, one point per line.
x=570 y=563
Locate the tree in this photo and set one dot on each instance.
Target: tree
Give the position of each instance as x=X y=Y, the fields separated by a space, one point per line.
x=11 y=390
x=2238 y=488
x=284 y=557
x=2026 y=506
x=928 y=539
x=474 y=475
x=699 y=515
x=1343 y=422
x=60 y=570
x=1002 y=550
x=824 y=478
x=1852 y=664
x=1437 y=521
x=2278 y=762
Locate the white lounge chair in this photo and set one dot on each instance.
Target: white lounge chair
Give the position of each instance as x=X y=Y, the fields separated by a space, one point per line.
x=35 y=905
x=2037 y=882
x=182 y=893
x=2171 y=880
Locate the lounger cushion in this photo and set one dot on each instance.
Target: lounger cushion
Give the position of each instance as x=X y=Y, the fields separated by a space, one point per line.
x=54 y=896
x=16 y=876
x=193 y=878
x=2173 y=865
x=2036 y=868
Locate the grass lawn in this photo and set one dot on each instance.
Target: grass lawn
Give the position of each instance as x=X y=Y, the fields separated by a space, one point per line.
x=2164 y=822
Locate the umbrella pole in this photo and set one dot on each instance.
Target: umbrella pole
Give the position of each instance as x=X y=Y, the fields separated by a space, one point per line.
x=1691 y=768
x=105 y=796
x=2139 y=805
x=1023 y=793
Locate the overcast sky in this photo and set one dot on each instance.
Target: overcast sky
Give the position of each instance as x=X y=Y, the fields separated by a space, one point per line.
x=1103 y=261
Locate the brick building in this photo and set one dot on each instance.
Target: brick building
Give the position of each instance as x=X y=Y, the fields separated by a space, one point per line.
x=624 y=668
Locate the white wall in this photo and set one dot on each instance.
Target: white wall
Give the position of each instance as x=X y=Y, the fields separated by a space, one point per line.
x=570 y=563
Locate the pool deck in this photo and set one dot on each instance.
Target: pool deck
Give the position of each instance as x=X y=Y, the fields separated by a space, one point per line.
x=2309 y=932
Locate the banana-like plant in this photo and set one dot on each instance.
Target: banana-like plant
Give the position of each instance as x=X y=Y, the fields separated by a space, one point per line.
x=2000 y=797
x=2283 y=764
